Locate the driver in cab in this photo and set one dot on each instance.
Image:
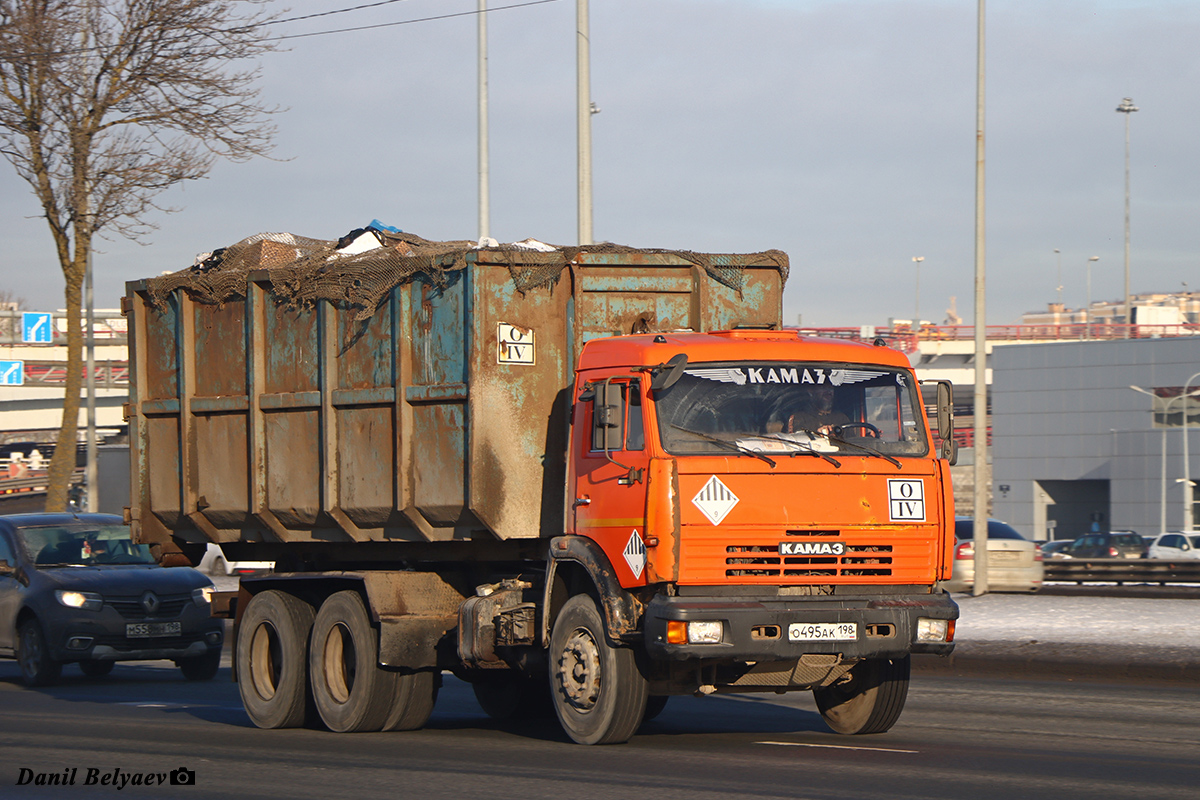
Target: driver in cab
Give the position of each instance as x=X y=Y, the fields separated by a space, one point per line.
x=818 y=413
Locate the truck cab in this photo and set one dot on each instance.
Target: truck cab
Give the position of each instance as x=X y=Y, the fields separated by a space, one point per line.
x=777 y=506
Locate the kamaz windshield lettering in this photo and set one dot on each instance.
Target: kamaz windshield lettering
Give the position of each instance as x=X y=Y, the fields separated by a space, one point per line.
x=790 y=409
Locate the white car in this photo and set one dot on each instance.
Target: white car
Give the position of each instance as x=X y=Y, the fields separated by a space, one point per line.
x=1175 y=546
x=215 y=563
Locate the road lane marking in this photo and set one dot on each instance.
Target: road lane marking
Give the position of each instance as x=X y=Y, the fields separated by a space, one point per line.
x=840 y=747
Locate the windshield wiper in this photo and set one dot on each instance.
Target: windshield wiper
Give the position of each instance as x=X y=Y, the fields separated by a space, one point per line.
x=804 y=448
x=727 y=445
x=866 y=449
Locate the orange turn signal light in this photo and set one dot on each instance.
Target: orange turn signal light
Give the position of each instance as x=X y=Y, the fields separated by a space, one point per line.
x=950 y=633
x=676 y=632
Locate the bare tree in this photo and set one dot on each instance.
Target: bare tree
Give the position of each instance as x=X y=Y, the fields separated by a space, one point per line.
x=104 y=104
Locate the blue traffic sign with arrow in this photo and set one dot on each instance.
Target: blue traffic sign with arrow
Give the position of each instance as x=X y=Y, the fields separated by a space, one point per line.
x=35 y=328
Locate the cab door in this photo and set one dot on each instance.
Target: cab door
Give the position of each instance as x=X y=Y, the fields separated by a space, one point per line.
x=610 y=472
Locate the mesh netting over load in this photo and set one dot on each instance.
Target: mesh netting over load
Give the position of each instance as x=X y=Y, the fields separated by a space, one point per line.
x=303 y=270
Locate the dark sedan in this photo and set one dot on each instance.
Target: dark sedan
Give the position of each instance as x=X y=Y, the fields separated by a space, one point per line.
x=75 y=588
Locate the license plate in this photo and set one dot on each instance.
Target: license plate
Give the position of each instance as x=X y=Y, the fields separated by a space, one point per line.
x=823 y=632
x=142 y=630
x=1004 y=555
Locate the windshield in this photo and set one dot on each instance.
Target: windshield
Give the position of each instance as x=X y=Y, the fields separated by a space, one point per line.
x=791 y=409
x=83 y=545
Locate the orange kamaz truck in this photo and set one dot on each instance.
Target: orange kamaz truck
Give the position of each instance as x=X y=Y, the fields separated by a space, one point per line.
x=580 y=478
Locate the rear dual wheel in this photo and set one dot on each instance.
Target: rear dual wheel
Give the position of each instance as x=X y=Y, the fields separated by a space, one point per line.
x=350 y=690
x=272 y=656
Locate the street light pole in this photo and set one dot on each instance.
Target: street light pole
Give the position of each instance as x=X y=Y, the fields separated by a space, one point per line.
x=980 y=469
x=1127 y=107
x=1087 y=312
x=1162 y=502
x=1189 y=521
x=484 y=190
x=917 y=317
x=1058 y=253
x=583 y=99
x=1162 y=512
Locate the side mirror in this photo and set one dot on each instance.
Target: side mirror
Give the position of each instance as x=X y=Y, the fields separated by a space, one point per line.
x=608 y=417
x=945 y=410
x=668 y=374
x=5 y=567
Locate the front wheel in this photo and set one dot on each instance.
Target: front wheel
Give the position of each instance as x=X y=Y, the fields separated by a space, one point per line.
x=38 y=668
x=869 y=699
x=599 y=692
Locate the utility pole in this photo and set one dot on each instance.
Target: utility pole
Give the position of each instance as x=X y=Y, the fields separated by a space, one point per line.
x=982 y=478
x=484 y=190
x=583 y=92
x=1127 y=107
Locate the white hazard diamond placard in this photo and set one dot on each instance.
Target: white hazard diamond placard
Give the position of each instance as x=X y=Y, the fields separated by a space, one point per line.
x=635 y=554
x=715 y=500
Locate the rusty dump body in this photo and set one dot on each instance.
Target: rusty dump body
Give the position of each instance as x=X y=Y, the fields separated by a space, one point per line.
x=439 y=414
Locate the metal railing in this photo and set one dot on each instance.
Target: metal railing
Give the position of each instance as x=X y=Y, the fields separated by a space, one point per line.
x=907 y=340
x=111 y=328
x=1122 y=570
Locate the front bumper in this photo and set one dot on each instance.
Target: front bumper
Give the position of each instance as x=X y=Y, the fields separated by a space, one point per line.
x=101 y=636
x=756 y=628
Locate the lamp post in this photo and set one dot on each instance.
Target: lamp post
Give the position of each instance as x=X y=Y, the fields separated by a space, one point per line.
x=1058 y=253
x=484 y=190
x=1162 y=503
x=1189 y=521
x=583 y=113
x=1127 y=107
x=1087 y=311
x=1162 y=514
x=917 y=315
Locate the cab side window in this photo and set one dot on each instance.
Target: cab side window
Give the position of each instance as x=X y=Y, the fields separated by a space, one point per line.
x=636 y=438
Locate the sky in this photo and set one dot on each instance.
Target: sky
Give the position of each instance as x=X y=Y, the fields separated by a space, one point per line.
x=839 y=131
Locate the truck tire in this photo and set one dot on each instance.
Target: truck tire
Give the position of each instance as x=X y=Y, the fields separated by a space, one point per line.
x=507 y=694
x=272 y=659
x=38 y=668
x=352 y=693
x=599 y=692
x=870 y=701
x=413 y=703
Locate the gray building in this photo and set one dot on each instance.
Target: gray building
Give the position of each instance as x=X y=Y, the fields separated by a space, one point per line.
x=1075 y=448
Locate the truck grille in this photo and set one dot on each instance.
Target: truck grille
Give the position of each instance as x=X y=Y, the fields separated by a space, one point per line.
x=764 y=561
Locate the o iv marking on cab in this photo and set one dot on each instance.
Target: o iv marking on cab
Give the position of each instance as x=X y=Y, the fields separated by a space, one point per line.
x=514 y=345
x=906 y=500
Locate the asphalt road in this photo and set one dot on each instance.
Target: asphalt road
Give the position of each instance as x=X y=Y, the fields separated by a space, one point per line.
x=958 y=737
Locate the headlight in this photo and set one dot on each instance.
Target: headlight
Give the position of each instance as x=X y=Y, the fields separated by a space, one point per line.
x=85 y=600
x=707 y=632
x=203 y=595
x=935 y=630
x=698 y=632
